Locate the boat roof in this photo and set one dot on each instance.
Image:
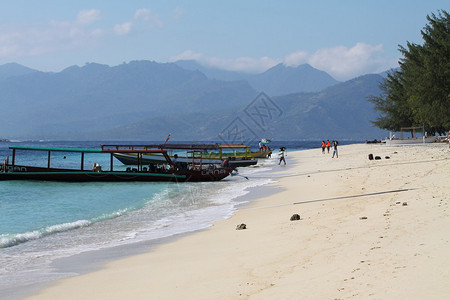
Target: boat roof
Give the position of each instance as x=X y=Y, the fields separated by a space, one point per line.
x=155 y=148
x=31 y=148
x=90 y=150
x=196 y=146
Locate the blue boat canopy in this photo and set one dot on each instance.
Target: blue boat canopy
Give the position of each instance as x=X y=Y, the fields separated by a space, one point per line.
x=93 y=150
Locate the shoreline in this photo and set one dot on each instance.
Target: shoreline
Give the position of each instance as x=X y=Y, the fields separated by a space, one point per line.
x=355 y=237
x=95 y=260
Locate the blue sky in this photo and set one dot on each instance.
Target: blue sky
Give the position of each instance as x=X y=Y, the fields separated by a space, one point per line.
x=345 y=38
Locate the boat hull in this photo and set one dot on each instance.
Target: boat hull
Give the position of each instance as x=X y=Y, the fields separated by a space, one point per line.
x=132 y=159
x=67 y=175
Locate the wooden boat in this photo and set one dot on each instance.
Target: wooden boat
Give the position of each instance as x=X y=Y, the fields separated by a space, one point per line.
x=237 y=155
x=195 y=170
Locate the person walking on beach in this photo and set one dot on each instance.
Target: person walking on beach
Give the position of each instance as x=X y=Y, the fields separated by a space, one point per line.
x=282 y=154
x=448 y=138
x=328 y=146
x=335 y=151
x=323 y=147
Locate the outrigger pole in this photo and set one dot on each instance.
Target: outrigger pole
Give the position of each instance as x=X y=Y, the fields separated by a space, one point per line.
x=168 y=137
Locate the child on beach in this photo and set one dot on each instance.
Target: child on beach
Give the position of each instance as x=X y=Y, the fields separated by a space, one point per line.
x=282 y=154
x=335 y=151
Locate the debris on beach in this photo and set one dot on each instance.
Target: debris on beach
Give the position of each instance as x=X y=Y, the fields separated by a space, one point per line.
x=241 y=226
x=295 y=217
x=371 y=157
x=363 y=218
x=405 y=204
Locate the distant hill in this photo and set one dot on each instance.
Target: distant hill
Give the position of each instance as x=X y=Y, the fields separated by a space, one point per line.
x=98 y=96
x=278 y=80
x=338 y=112
x=144 y=100
x=281 y=80
x=13 y=69
x=341 y=111
x=212 y=73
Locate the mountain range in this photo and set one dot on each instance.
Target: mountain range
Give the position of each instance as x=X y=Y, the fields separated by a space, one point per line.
x=278 y=80
x=145 y=100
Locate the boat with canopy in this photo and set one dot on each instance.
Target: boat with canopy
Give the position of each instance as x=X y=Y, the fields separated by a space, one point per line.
x=236 y=155
x=167 y=170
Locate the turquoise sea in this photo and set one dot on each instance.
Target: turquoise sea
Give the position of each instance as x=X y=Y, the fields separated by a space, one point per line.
x=43 y=222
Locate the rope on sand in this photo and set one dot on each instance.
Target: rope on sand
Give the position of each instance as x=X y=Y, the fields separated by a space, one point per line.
x=334 y=198
x=355 y=196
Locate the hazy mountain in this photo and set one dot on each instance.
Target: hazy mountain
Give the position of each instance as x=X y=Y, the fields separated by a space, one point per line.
x=101 y=97
x=213 y=73
x=145 y=100
x=339 y=112
x=278 y=80
x=282 y=80
x=13 y=69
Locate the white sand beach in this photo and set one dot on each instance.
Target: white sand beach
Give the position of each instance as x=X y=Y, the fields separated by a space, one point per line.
x=369 y=229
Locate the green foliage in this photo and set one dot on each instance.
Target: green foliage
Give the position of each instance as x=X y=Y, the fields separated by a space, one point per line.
x=419 y=92
x=392 y=102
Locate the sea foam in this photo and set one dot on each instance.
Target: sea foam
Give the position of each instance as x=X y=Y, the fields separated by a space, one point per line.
x=9 y=240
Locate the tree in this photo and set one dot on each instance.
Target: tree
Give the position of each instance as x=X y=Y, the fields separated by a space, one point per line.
x=419 y=92
x=392 y=103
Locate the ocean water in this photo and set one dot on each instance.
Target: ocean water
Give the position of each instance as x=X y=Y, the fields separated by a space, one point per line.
x=41 y=222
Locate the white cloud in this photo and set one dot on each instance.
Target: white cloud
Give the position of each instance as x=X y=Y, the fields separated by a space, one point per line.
x=87 y=17
x=177 y=13
x=344 y=63
x=242 y=64
x=296 y=58
x=122 y=29
x=148 y=16
x=141 y=16
x=188 y=55
x=340 y=62
x=38 y=39
x=8 y=44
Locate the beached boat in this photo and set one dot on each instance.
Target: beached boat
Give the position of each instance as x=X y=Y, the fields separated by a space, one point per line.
x=393 y=140
x=194 y=170
x=236 y=155
x=411 y=141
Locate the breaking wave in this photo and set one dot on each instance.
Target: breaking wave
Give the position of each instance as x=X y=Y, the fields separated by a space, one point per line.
x=9 y=240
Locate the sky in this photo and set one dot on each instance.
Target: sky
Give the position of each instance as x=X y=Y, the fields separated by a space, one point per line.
x=345 y=38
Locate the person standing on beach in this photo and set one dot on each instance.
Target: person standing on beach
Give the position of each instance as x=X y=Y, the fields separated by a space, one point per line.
x=282 y=154
x=323 y=147
x=335 y=151
x=448 y=138
x=328 y=146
